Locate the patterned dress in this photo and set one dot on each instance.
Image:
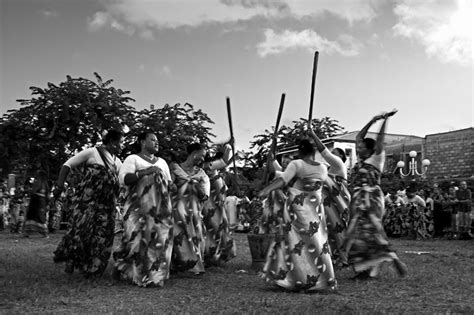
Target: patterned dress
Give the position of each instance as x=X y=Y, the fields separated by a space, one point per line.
x=336 y=198
x=87 y=245
x=393 y=218
x=144 y=254
x=299 y=256
x=366 y=242
x=189 y=231
x=219 y=245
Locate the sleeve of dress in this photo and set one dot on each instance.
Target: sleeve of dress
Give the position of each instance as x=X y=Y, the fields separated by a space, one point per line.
x=80 y=158
x=205 y=184
x=335 y=162
x=290 y=172
x=166 y=170
x=128 y=167
x=277 y=166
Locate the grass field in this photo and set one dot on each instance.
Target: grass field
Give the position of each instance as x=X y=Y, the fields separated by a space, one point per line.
x=440 y=281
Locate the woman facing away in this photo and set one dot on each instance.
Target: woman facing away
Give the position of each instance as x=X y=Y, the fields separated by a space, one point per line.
x=336 y=198
x=36 y=213
x=219 y=245
x=87 y=244
x=144 y=254
x=299 y=257
x=193 y=189
x=367 y=245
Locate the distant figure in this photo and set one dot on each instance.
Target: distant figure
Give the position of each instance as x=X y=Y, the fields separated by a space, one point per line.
x=366 y=242
x=87 y=244
x=464 y=197
x=37 y=209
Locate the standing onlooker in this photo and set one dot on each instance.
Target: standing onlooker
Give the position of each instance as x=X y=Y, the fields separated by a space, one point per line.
x=16 y=208
x=36 y=213
x=87 y=244
x=440 y=217
x=463 y=195
x=451 y=208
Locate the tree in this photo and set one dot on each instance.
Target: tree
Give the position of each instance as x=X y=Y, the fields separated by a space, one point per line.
x=289 y=135
x=60 y=120
x=176 y=127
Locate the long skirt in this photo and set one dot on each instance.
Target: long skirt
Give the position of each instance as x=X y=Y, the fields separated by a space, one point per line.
x=219 y=245
x=87 y=244
x=367 y=244
x=299 y=257
x=36 y=215
x=189 y=231
x=336 y=205
x=144 y=254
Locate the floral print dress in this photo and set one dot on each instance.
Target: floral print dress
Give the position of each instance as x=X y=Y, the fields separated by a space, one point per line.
x=189 y=230
x=219 y=245
x=367 y=245
x=144 y=254
x=87 y=244
x=299 y=256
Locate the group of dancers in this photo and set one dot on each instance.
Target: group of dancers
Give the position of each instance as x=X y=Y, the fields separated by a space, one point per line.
x=175 y=220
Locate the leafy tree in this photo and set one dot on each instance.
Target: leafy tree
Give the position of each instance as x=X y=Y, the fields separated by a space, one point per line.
x=289 y=135
x=61 y=119
x=176 y=127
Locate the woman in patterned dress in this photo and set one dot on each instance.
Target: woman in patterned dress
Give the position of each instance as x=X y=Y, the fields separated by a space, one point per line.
x=87 y=244
x=299 y=257
x=193 y=189
x=219 y=245
x=144 y=254
x=336 y=198
x=367 y=245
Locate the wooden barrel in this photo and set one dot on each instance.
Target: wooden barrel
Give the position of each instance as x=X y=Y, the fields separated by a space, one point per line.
x=258 y=244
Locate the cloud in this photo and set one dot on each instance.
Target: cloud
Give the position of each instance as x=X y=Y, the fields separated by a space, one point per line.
x=307 y=39
x=163 y=14
x=49 y=13
x=166 y=71
x=443 y=27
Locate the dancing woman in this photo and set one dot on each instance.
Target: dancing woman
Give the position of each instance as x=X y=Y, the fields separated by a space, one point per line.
x=189 y=231
x=299 y=257
x=87 y=244
x=366 y=242
x=144 y=255
x=336 y=198
x=219 y=245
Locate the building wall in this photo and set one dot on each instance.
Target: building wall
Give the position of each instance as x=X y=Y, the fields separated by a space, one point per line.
x=451 y=154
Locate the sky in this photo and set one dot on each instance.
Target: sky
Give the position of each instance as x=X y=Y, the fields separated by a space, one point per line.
x=374 y=55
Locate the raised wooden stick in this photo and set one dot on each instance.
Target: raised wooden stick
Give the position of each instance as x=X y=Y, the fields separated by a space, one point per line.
x=229 y=116
x=313 y=83
x=274 y=139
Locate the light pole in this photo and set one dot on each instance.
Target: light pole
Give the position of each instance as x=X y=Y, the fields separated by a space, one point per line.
x=412 y=166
